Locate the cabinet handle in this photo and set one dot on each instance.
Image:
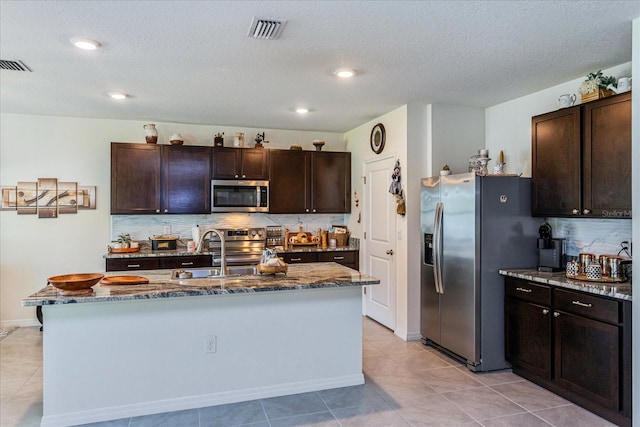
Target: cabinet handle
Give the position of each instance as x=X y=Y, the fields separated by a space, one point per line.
x=296 y=259
x=556 y=314
x=187 y=263
x=581 y=304
x=575 y=211
x=338 y=257
x=586 y=211
x=524 y=290
x=133 y=266
x=545 y=311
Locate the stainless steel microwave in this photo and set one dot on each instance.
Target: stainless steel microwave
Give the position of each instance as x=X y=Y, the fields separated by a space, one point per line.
x=239 y=196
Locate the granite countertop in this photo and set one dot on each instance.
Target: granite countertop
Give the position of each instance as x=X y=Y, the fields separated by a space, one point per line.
x=620 y=290
x=299 y=276
x=148 y=253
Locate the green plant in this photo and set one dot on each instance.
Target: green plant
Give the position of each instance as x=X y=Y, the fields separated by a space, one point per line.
x=594 y=81
x=124 y=238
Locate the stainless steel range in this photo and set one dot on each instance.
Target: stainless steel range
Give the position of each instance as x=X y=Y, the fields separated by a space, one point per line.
x=243 y=246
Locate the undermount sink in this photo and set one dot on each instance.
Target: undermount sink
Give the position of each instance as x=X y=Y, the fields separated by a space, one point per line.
x=214 y=272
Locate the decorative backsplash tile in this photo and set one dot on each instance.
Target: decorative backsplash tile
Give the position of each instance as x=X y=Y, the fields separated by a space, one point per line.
x=597 y=236
x=142 y=227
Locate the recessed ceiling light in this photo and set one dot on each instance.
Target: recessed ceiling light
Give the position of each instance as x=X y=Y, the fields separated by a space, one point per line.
x=86 y=44
x=118 y=96
x=302 y=110
x=345 y=73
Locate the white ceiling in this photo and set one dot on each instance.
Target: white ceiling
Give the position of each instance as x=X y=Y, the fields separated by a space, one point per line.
x=192 y=61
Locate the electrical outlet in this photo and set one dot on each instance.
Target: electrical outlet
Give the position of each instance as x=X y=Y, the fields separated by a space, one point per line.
x=210 y=344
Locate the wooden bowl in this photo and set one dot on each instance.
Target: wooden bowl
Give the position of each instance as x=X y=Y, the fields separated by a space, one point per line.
x=176 y=142
x=269 y=269
x=75 y=284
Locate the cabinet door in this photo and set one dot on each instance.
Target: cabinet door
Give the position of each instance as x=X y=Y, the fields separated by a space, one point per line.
x=587 y=358
x=331 y=183
x=226 y=163
x=289 y=187
x=255 y=163
x=135 y=178
x=607 y=157
x=187 y=180
x=528 y=336
x=556 y=142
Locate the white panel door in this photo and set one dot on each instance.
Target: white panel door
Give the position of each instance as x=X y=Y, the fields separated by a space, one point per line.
x=380 y=241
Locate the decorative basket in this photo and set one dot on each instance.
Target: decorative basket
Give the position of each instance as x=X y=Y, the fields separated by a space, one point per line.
x=342 y=239
x=600 y=93
x=273 y=269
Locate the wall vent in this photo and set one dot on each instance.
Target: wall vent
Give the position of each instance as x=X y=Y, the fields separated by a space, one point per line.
x=266 y=29
x=13 y=65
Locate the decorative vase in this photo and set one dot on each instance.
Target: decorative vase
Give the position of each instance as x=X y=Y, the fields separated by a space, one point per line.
x=151 y=133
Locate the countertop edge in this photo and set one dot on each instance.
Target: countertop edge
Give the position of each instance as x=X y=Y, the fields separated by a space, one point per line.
x=621 y=291
x=300 y=277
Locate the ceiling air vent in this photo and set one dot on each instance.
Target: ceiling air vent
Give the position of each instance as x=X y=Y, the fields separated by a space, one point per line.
x=13 y=65
x=266 y=29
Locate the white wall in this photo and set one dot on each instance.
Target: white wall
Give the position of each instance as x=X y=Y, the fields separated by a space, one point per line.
x=635 y=153
x=78 y=150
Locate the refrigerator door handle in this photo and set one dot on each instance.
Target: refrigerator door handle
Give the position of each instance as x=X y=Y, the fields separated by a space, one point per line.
x=437 y=248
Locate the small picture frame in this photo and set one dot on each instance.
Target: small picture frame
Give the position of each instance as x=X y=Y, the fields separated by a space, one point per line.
x=86 y=197
x=47 y=198
x=9 y=199
x=27 y=198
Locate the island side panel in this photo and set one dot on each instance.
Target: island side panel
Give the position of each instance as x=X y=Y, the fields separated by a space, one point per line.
x=128 y=358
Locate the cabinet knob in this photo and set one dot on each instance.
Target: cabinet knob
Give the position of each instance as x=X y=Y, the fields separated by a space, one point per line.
x=157 y=210
x=556 y=314
x=545 y=311
x=236 y=176
x=575 y=211
x=166 y=211
x=244 y=176
x=307 y=210
x=314 y=210
x=586 y=211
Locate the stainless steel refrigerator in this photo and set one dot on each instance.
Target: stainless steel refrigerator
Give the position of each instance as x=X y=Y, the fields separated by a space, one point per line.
x=472 y=226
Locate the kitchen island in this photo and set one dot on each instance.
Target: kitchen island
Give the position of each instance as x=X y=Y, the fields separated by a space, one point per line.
x=133 y=350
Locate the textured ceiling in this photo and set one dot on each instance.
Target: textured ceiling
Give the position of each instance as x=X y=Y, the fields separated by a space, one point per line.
x=192 y=62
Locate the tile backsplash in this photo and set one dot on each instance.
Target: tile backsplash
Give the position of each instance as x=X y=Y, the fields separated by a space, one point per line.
x=597 y=236
x=142 y=227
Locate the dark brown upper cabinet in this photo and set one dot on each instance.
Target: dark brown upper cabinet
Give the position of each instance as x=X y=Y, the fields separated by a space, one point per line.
x=160 y=179
x=309 y=182
x=581 y=160
x=240 y=163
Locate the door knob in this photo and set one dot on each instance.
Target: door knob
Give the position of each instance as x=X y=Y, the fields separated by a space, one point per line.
x=390 y=252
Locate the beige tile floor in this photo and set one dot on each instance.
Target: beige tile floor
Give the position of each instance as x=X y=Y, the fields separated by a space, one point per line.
x=407 y=384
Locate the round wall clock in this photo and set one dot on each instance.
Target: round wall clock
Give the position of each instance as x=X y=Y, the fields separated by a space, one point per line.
x=377 y=138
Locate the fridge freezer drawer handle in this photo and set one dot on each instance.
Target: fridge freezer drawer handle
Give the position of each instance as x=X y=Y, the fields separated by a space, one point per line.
x=437 y=249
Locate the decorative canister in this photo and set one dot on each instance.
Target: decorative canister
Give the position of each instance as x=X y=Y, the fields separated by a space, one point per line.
x=604 y=264
x=593 y=271
x=614 y=267
x=218 y=140
x=238 y=140
x=572 y=269
x=585 y=260
x=151 y=133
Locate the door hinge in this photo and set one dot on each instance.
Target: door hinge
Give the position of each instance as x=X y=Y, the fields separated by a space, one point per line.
x=365 y=289
x=365 y=180
x=365 y=235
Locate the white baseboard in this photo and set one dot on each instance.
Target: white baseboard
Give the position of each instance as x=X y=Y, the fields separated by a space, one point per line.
x=201 y=401
x=20 y=323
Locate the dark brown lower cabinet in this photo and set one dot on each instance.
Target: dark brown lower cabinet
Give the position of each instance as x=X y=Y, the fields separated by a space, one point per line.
x=577 y=345
x=347 y=258
x=155 y=263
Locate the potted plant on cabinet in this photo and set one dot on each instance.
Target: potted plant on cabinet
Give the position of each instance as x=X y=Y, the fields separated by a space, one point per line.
x=595 y=86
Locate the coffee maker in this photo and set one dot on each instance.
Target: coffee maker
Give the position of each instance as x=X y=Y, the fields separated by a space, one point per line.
x=550 y=251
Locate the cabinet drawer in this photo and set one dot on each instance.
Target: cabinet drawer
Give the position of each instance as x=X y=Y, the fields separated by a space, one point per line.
x=586 y=305
x=186 y=261
x=129 y=264
x=342 y=257
x=296 y=258
x=528 y=291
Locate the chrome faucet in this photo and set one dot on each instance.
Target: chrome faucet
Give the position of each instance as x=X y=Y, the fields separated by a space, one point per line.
x=223 y=255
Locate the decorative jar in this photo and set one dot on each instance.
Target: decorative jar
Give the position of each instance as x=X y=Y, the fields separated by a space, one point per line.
x=151 y=133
